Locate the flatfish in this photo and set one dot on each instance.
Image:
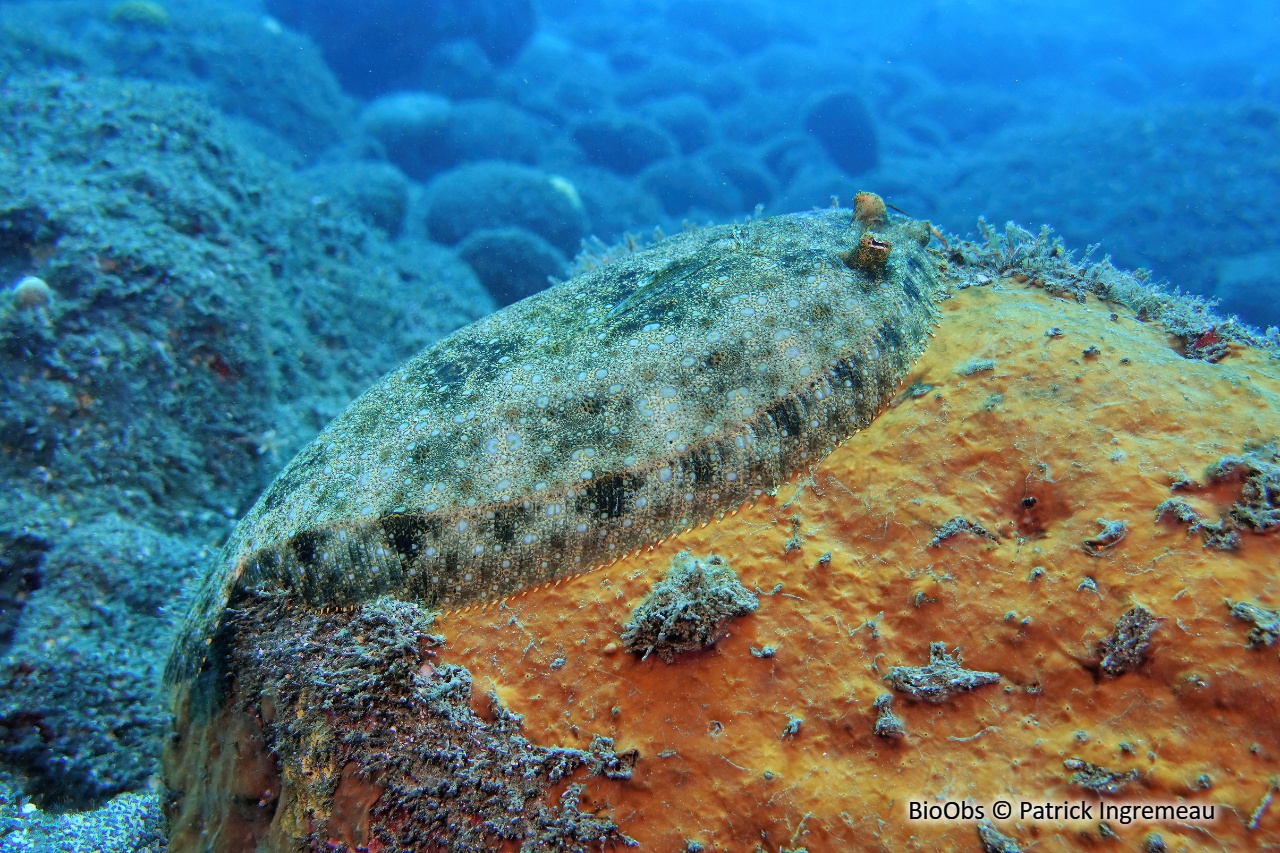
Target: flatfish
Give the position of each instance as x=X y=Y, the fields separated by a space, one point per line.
x=605 y=414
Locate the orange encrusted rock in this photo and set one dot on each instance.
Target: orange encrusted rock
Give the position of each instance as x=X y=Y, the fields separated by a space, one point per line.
x=1051 y=552
x=1101 y=419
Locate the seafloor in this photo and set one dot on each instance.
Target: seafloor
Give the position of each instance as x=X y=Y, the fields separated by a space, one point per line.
x=229 y=224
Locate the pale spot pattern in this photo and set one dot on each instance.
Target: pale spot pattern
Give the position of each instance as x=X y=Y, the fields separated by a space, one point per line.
x=699 y=374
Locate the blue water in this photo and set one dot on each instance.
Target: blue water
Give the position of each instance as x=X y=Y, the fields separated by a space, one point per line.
x=1143 y=127
x=220 y=221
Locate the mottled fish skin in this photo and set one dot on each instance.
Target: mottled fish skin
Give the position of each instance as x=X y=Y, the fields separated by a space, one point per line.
x=595 y=418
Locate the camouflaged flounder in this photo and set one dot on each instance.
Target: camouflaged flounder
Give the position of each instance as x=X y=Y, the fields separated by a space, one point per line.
x=600 y=416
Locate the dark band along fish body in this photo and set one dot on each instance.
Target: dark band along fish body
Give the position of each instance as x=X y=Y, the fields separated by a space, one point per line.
x=602 y=415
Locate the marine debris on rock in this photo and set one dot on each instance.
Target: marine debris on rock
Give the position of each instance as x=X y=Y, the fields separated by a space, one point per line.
x=688 y=609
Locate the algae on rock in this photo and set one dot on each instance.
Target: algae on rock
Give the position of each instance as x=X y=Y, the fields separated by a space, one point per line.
x=687 y=609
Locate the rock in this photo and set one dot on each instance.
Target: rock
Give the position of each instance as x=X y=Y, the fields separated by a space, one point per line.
x=511 y=263
x=614 y=205
x=200 y=283
x=495 y=194
x=376 y=47
x=743 y=170
x=686 y=118
x=1244 y=286
x=534 y=559
x=841 y=124
x=1148 y=187
x=789 y=155
x=622 y=143
x=667 y=76
x=81 y=713
x=413 y=127
x=494 y=130
x=742 y=28
x=379 y=192
x=686 y=186
x=249 y=67
x=458 y=70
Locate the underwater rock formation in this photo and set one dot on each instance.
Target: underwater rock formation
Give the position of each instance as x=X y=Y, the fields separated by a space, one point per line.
x=687 y=118
x=843 y=126
x=860 y=592
x=684 y=184
x=511 y=263
x=1092 y=407
x=1143 y=180
x=245 y=65
x=622 y=143
x=177 y=318
x=425 y=134
x=494 y=194
x=79 y=716
x=377 y=46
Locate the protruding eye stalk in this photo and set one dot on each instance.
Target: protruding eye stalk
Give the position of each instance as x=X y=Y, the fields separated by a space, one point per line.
x=872 y=252
x=869 y=211
x=870 y=257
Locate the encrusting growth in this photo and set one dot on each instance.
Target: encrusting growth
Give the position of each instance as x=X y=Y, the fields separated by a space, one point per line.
x=1128 y=645
x=942 y=679
x=328 y=727
x=687 y=610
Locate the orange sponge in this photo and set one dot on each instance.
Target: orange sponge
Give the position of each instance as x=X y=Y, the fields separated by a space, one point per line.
x=1044 y=576
x=1005 y=506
